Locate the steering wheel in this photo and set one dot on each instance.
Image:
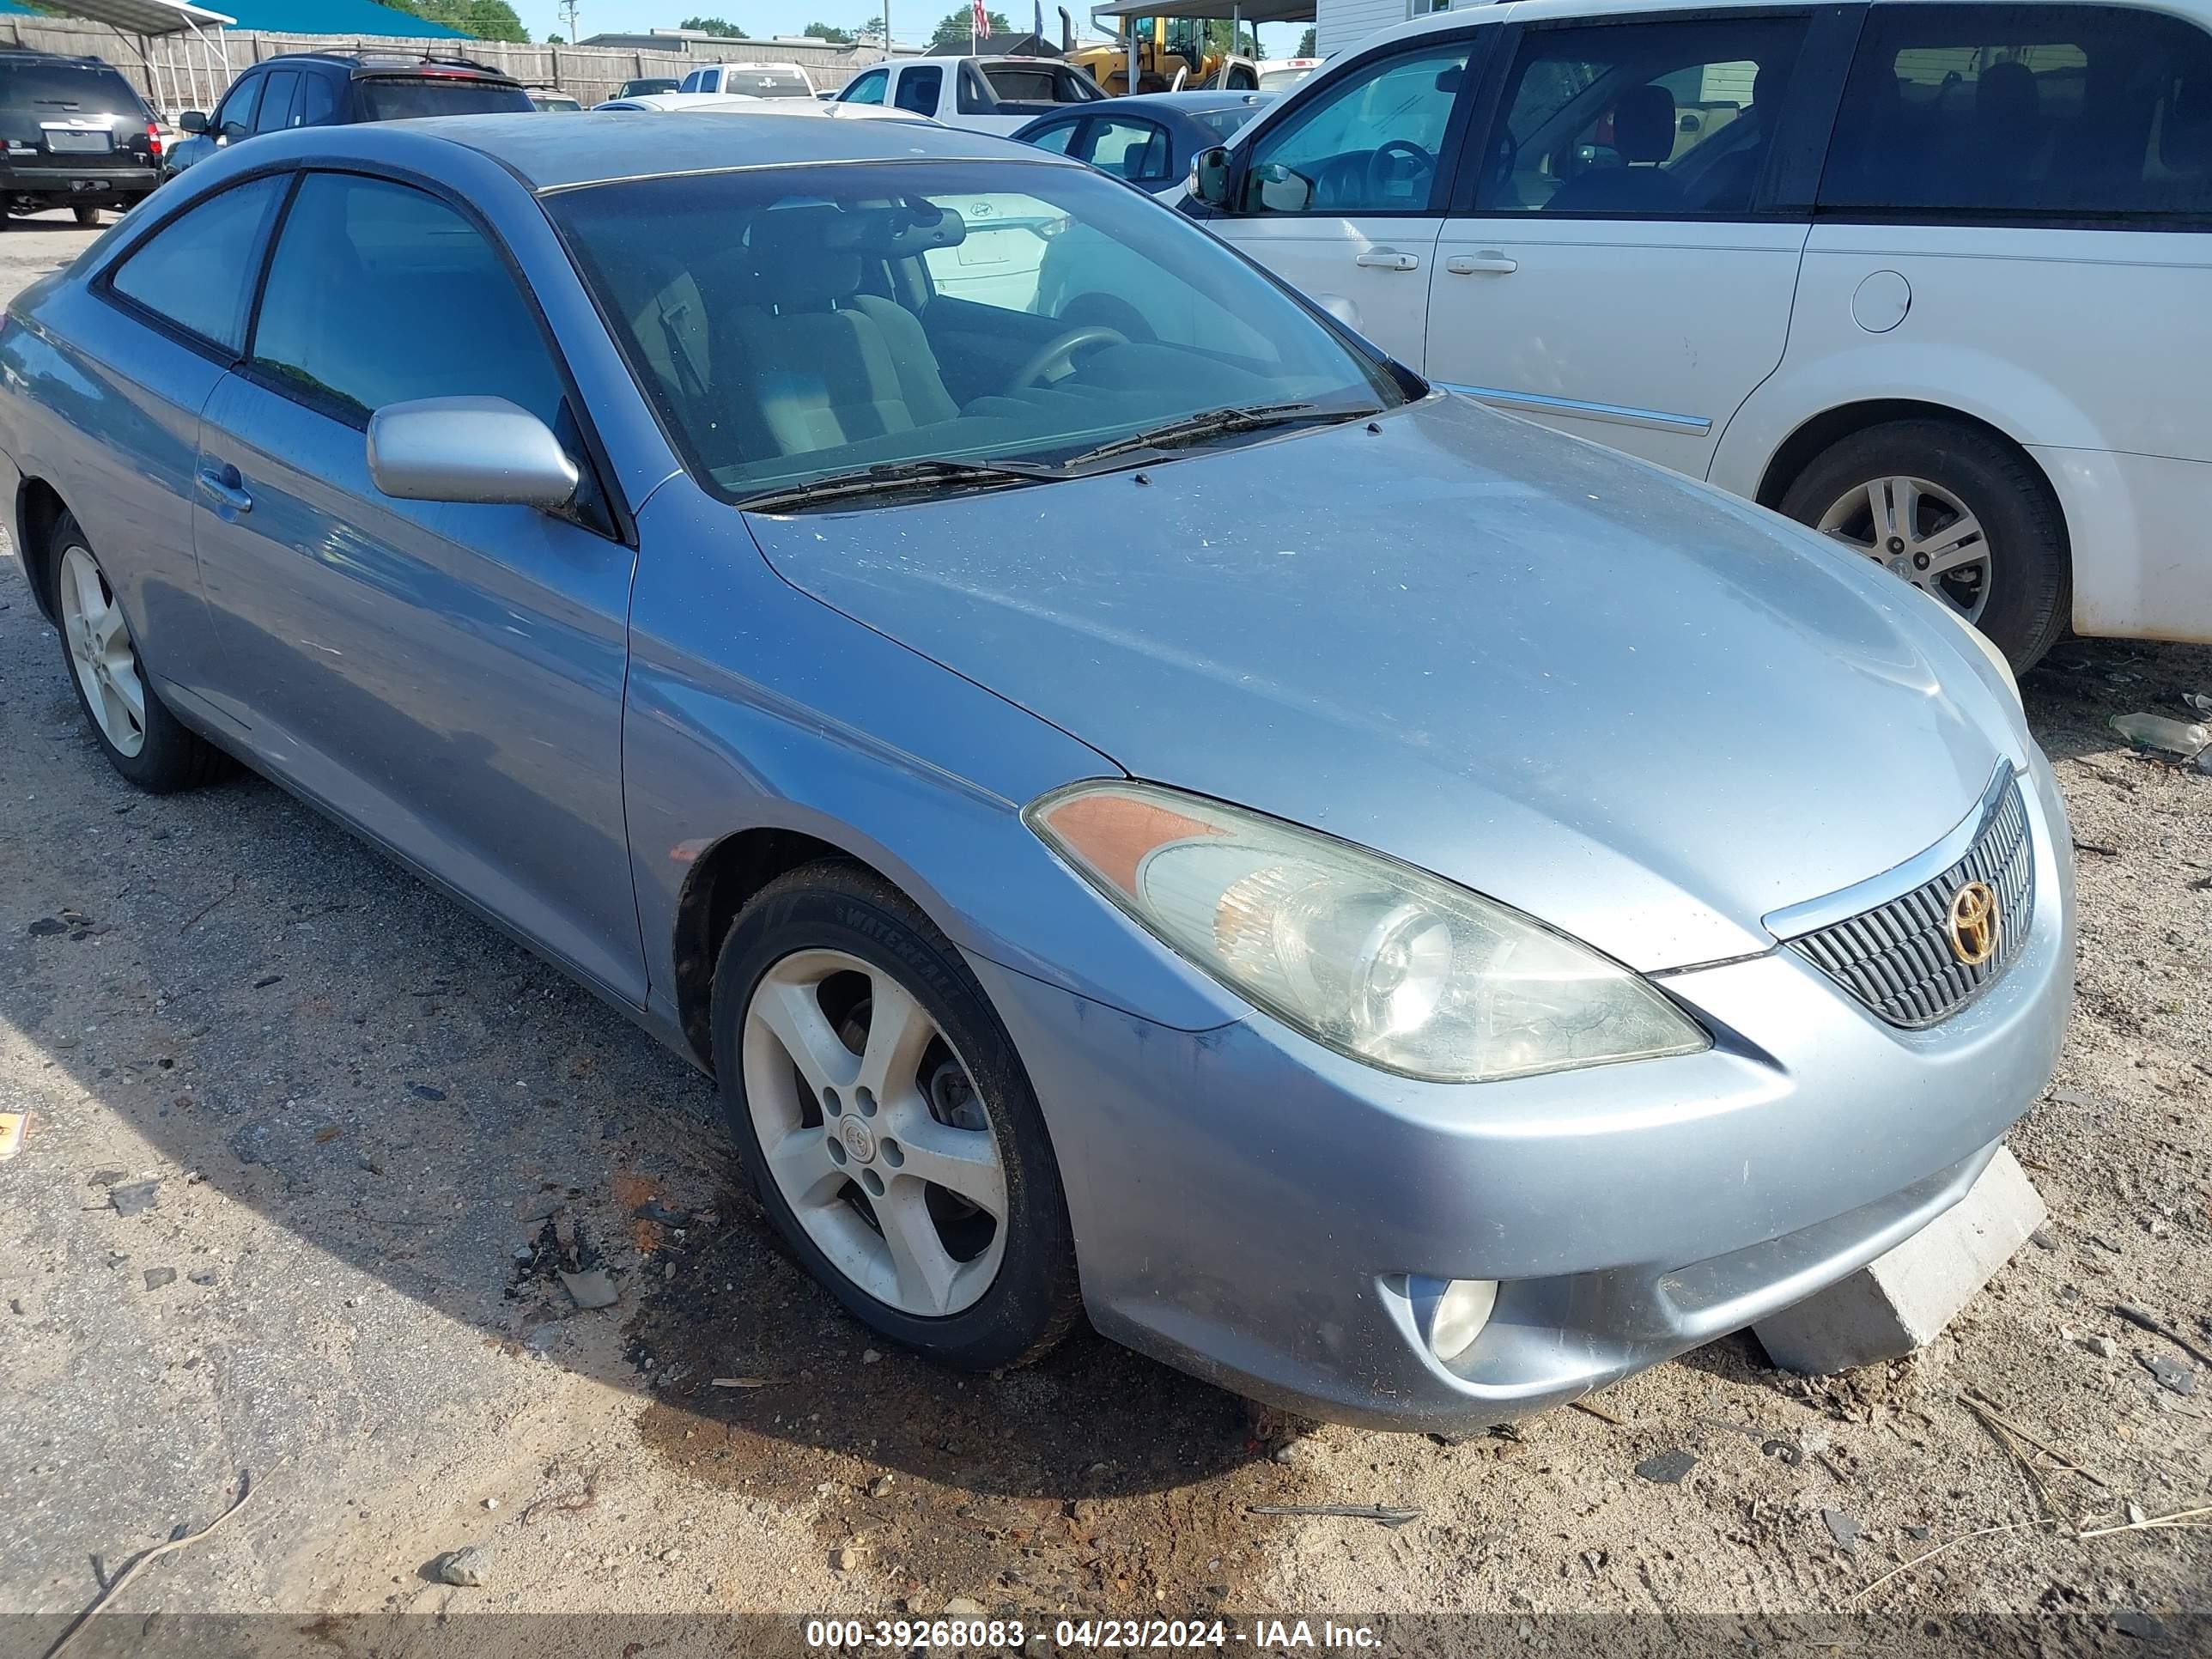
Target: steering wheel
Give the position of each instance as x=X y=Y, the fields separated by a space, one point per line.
x=1062 y=349
x=1381 y=177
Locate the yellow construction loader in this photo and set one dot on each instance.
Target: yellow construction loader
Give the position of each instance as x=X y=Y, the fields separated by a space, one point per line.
x=1171 y=54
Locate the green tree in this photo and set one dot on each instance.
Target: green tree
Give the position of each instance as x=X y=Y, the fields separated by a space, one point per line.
x=556 y=40
x=722 y=27
x=873 y=29
x=483 y=20
x=1305 y=46
x=1217 y=38
x=953 y=31
x=828 y=32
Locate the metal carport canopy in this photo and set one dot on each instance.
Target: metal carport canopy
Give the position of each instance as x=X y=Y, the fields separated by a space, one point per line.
x=148 y=16
x=1247 y=11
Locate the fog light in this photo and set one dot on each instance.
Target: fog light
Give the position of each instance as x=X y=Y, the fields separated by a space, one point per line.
x=1461 y=1312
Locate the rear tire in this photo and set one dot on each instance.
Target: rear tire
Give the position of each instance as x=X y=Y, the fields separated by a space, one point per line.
x=2024 y=598
x=141 y=739
x=834 y=953
x=87 y=217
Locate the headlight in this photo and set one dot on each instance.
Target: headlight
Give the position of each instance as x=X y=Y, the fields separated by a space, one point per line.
x=1382 y=962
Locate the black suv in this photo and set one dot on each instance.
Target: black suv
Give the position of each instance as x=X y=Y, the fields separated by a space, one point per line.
x=77 y=137
x=336 y=88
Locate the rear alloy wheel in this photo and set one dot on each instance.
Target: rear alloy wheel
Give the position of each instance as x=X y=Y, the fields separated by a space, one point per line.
x=886 y=1123
x=142 y=739
x=1959 y=513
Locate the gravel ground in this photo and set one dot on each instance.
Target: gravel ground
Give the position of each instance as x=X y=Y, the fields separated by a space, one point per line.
x=304 y=1137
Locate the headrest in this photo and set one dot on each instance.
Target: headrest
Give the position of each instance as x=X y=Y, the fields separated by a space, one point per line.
x=2006 y=95
x=1643 y=124
x=809 y=257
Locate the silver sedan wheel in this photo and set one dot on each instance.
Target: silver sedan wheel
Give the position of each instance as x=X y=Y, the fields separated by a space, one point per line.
x=1921 y=532
x=101 y=651
x=872 y=1129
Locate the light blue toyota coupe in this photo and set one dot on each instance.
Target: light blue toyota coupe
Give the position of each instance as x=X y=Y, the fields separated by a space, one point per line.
x=1149 y=812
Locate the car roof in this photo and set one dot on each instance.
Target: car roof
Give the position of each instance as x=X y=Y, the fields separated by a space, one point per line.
x=649 y=143
x=1187 y=103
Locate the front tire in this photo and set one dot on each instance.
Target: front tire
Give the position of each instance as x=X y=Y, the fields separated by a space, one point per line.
x=886 y=1123
x=142 y=738
x=1959 y=513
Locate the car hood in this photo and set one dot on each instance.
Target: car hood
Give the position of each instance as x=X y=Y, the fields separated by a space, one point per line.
x=1628 y=704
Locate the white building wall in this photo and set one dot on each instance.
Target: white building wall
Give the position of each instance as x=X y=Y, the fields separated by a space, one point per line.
x=1341 y=23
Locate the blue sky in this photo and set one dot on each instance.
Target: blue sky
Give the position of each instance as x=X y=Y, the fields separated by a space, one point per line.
x=911 y=20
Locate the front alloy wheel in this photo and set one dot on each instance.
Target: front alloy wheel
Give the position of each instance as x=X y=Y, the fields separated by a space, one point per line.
x=874 y=1133
x=886 y=1123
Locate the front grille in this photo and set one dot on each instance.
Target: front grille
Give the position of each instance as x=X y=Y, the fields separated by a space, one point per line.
x=1897 y=959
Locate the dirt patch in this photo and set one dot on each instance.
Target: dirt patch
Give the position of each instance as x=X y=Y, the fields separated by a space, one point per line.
x=1093 y=1478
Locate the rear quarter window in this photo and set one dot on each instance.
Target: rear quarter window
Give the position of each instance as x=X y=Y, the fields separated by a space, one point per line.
x=2041 y=112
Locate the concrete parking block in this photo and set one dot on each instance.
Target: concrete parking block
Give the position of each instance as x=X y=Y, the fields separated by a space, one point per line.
x=1901 y=1300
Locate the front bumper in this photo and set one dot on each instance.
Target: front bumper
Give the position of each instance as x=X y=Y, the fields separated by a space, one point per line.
x=1250 y=1207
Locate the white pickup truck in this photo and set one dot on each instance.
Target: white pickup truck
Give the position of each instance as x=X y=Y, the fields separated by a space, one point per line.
x=985 y=95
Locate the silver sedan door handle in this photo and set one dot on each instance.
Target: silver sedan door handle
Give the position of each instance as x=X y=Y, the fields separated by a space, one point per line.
x=1467 y=265
x=1389 y=258
x=224 y=487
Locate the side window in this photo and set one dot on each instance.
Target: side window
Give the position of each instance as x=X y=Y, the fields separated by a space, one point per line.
x=277 y=89
x=1135 y=150
x=2037 y=112
x=868 y=88
x=378 y=293
x=1055 y=137
x=691 y=81
x=1371 y=143
x=197 y=271
x=1641 y=120
x=234 y=119
x=316 y=103
x=920 y=88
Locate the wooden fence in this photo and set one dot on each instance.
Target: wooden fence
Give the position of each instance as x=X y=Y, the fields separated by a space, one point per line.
x=589 y=73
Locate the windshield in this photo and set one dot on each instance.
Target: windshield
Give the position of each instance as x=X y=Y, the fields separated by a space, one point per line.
x=805 y=322
x=387 y=99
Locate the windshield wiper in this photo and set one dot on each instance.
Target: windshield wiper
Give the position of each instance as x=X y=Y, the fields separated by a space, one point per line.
x=1213 y=422
x=887 y=476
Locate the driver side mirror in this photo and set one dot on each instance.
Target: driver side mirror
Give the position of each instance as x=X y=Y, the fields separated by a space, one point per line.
x=193 y=120
x=484 y=452
x=1209 y=176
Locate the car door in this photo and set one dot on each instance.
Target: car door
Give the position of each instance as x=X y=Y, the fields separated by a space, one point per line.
x=1340 y=194
x=448 y=677
x=2012 y=224
x=274 y=112
x=166 y=319
x=1623 y=251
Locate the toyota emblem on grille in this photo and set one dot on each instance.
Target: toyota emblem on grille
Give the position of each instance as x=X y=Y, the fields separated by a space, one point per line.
x=1971 y=926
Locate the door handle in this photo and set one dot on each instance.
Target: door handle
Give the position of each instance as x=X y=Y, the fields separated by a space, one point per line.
x=1467 y=265
x=1387 y=259
x=222 y=485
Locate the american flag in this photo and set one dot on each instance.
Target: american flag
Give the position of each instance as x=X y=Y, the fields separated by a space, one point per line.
x=982 y=19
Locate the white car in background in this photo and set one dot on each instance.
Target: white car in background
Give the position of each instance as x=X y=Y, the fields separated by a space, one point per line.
x=1281 y=74
x=737 y=103
x=753 y=80
x=1931 y=276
